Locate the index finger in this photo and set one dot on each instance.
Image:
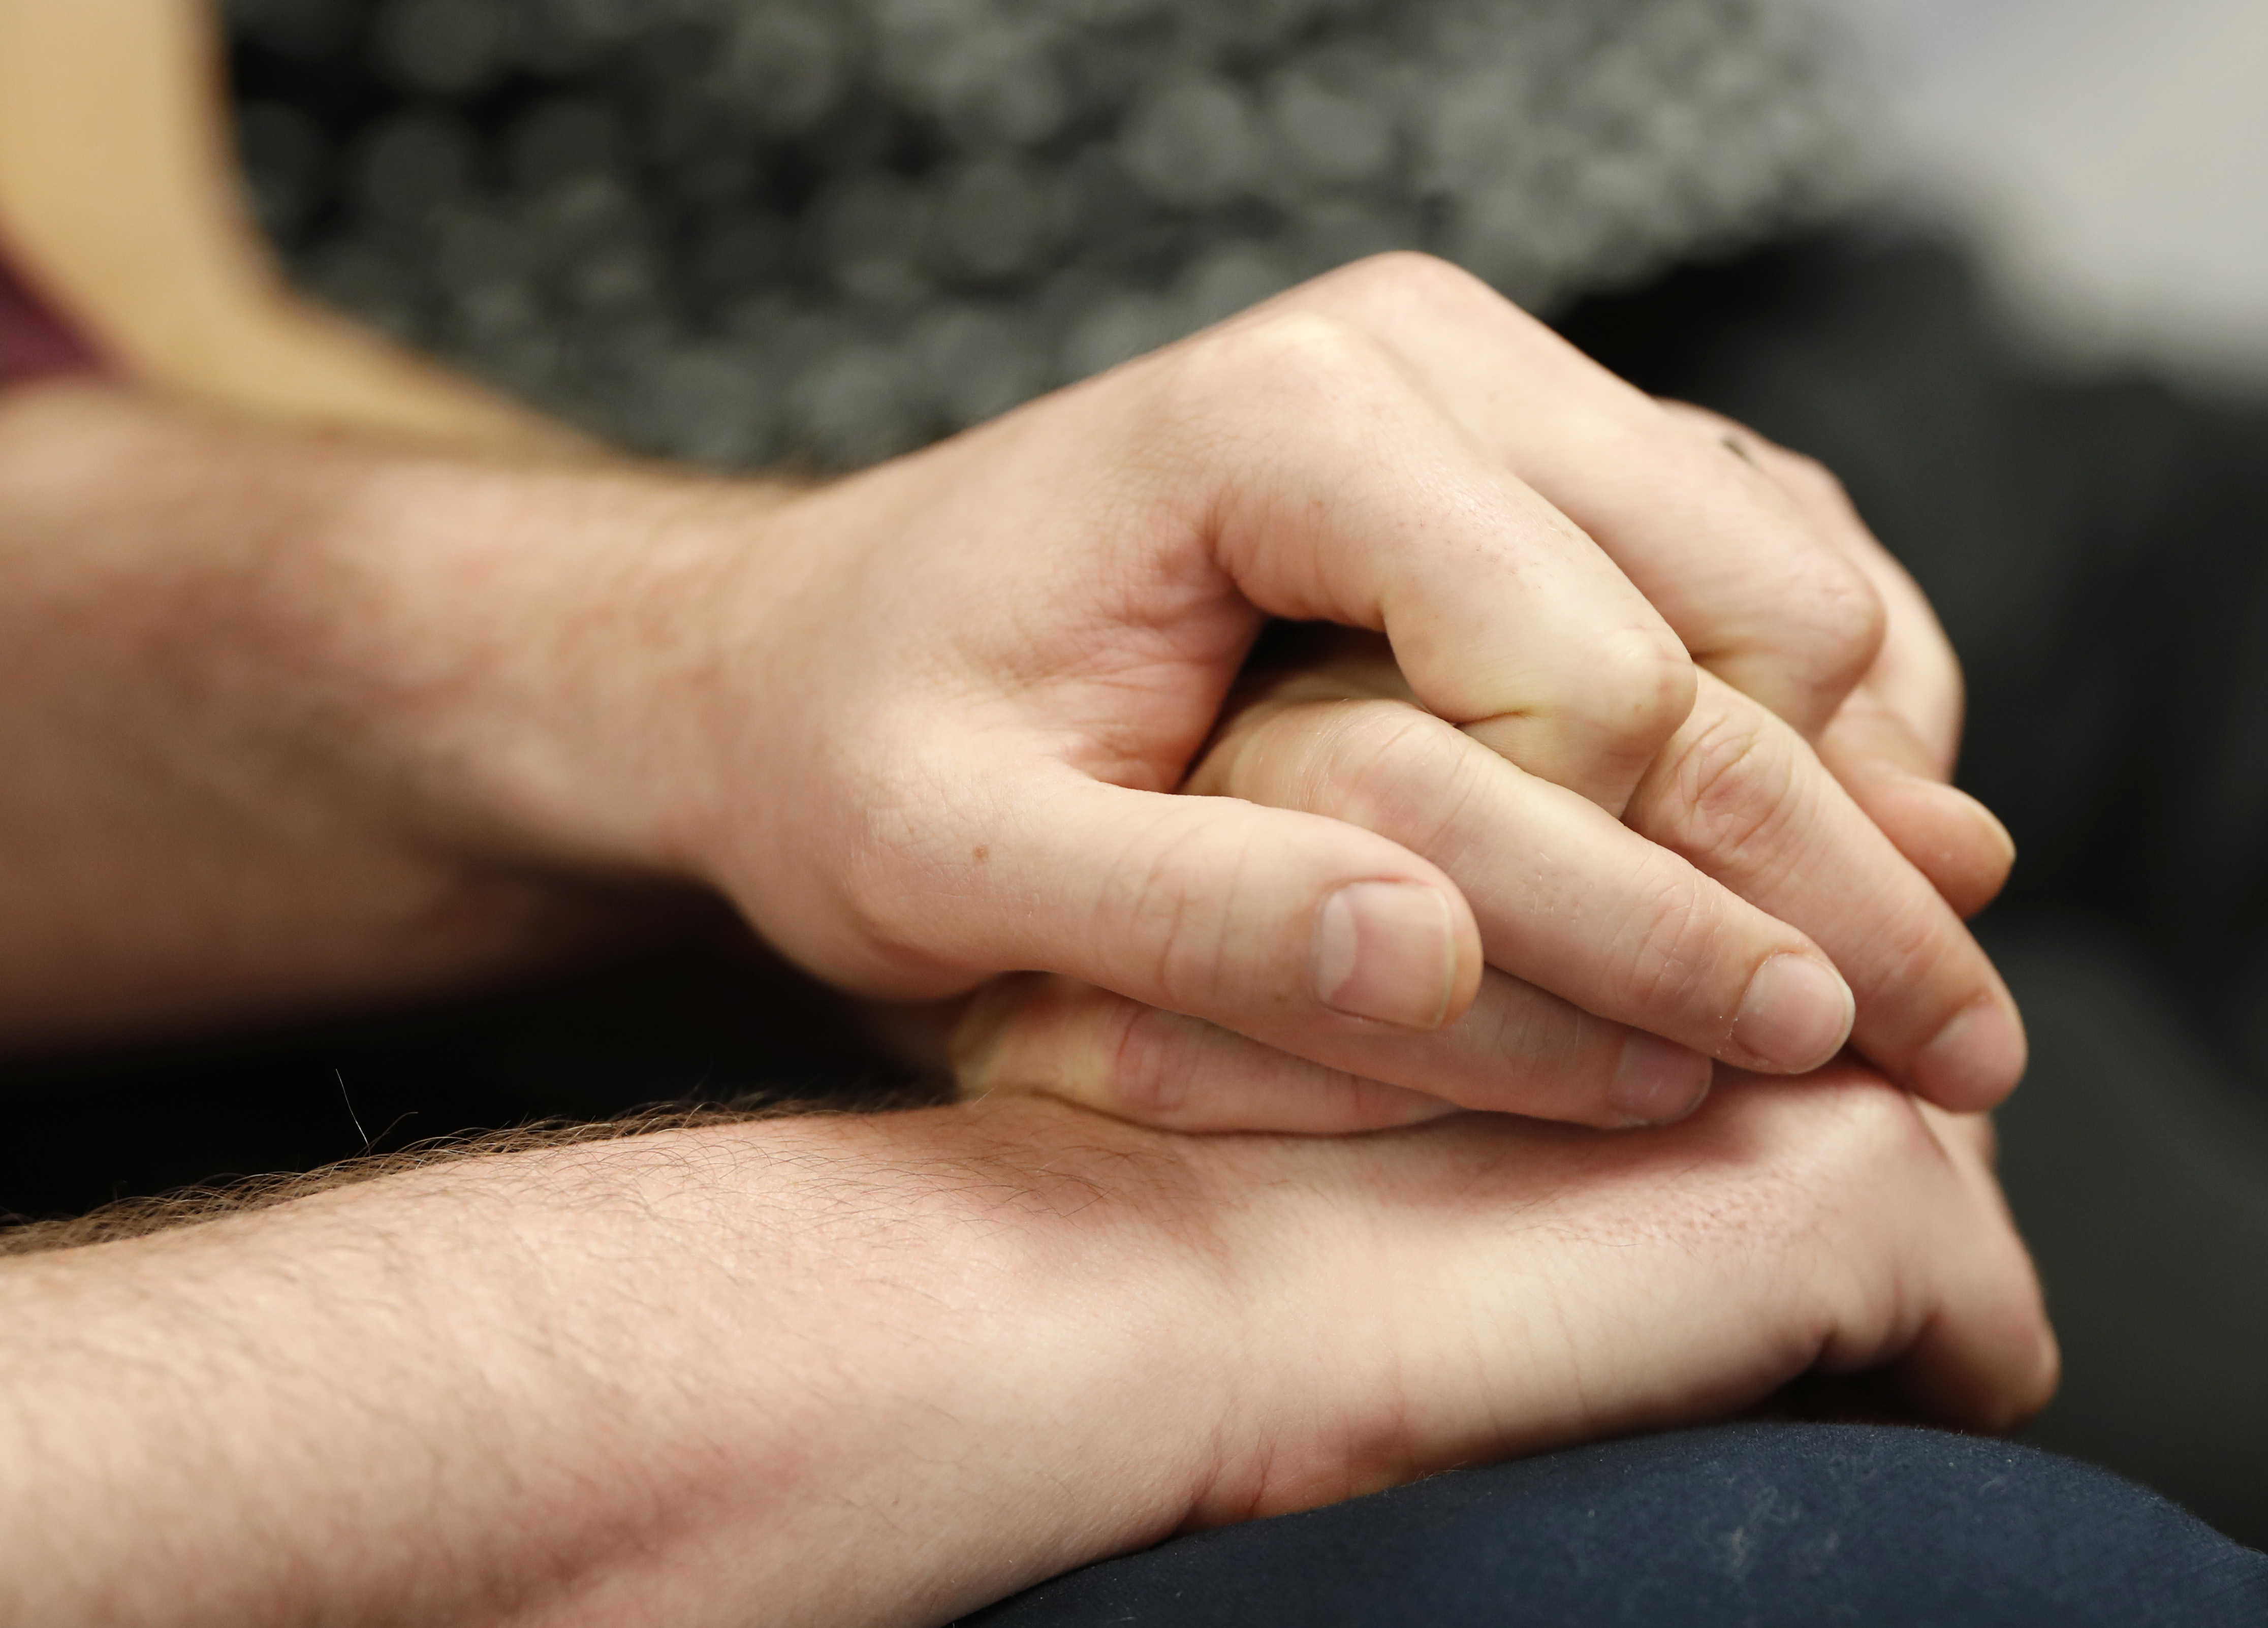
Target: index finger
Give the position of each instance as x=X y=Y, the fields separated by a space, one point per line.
x=1732 y=562
x=1332 y=489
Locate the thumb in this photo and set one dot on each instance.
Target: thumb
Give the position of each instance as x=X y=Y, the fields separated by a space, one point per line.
x=1276 y=924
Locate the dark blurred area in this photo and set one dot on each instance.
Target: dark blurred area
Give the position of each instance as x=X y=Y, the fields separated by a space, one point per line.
x=2098 y=548
x=2094 y=542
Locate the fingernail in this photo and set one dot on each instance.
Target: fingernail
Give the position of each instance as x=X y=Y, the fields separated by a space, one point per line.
x=1657 y=1081
x=1993 y=826
x=1989 y=823
x=1387 y=950
x=1974 y=1060
x=1796 y=1015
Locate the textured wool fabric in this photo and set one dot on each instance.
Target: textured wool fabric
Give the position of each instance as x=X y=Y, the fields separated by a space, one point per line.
x=831 y=230
x=1765 y=1526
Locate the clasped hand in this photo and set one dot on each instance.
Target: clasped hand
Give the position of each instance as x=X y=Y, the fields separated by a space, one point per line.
x=1620 y=769
x=1642 y=768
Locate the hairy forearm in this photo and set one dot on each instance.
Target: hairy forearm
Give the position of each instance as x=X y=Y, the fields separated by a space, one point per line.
x=824 y=1371
x=850 y=1371
x=255 y=684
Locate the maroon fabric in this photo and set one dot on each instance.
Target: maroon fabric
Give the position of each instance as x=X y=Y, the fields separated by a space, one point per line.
x=35 y=342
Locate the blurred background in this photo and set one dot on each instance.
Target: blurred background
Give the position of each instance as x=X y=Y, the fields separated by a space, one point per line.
x=2107 y=161
x=2003 y=264
x=2102 y=167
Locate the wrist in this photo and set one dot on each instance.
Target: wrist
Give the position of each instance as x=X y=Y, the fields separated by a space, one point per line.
x=531 y=650
x=1124 y=1263
x=1009 y=1334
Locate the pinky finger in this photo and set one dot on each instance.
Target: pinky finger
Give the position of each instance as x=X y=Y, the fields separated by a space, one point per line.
x=1036 y=1034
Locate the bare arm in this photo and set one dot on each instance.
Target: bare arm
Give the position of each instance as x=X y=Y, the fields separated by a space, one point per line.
x=195 y=823
x=850 y=1371
x=118 y=189
x=1002 y=649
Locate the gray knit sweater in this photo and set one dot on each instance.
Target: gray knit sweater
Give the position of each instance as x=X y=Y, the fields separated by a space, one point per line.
x=735 y=231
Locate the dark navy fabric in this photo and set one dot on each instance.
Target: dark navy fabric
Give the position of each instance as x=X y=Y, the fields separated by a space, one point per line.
x=1745 y=1526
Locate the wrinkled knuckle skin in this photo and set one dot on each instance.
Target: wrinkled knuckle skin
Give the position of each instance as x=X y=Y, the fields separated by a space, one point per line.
x=1382 y=763
x=1147 y=1075
x=1365 y=762
x=1247 y=751
x=1564 y=1056
x=1184 y=900
x=1728 y=789
x=1278 y=758
x=1661 y=952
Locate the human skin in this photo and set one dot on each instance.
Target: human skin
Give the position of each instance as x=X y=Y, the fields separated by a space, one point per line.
x=721 y=1376
x=301 y=715
x=1848 y=836
x=1394 y=446
x=294 y=718
x=1736 y=800
x=119 y=195
x=852 y=1371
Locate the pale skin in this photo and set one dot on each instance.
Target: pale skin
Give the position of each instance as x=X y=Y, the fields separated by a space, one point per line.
x=118 y=191
x=879 y=1371
x=300 y=718
x=1735 y=799
x=984 y=670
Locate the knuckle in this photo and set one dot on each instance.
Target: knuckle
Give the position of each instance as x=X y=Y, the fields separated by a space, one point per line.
x=1294 y=360
x=1178 y=899
x=886 y=869
x=1836 y=616
x=1916 y=948
x=1378 y=761
x=1664 y=948
x=1147 y=1070
x=1864 y=1119
x=1636 y=690
x=1555 y=1041
x=1399 y=276
x=1730 y=787
x=1810 y=480
x=1825 y=614
x=1860 y=1128
x=1003 y=1023
x=1849 y=1138
x=1365 y=762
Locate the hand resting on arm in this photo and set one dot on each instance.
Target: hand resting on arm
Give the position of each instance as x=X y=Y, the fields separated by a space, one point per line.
x=296 y=718
x=848 y=1371
x=919 y=726
x=1584 y=920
